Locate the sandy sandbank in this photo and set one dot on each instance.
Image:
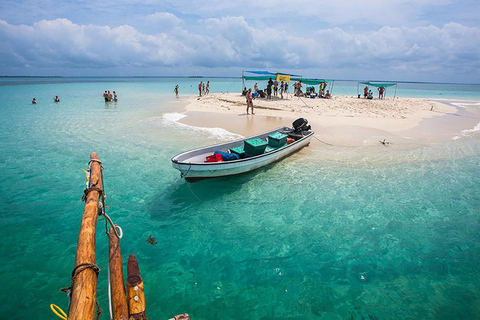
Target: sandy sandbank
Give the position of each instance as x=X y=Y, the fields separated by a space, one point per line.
x=343 y=120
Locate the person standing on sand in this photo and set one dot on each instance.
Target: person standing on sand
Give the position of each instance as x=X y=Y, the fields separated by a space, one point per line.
x=200 y=86
x=282 y=86
x=269 y=88
x=176 y=90
x=380 y=92
x=365 y=92
x=207 y=88
x=249 y=98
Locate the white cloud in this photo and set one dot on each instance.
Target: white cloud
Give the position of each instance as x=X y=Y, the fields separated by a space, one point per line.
x=162 y=20
x=231 y=42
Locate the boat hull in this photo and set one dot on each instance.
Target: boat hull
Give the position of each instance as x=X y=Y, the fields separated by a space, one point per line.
x=192 y=167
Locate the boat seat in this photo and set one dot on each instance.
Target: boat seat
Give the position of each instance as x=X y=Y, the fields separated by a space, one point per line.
x=295 y=135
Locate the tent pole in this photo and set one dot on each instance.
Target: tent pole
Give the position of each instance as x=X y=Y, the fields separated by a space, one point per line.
x=395 y=91
x=243 y=80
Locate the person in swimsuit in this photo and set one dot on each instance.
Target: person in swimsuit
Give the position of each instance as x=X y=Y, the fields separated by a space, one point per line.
x=176 y=90
x=57 y=99
x=34 y=101
x=249 y=98
x=365 y=91
x=380 y=92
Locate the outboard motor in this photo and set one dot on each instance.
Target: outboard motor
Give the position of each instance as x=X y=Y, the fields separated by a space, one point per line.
x=300 y=125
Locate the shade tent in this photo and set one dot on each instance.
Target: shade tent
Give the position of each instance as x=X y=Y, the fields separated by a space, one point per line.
x=279 y=76
x=265 y=76
x=378 y=85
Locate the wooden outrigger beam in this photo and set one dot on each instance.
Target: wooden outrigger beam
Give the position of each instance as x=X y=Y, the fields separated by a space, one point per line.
x=129 y=305
x=84 y=279
x=119 y=297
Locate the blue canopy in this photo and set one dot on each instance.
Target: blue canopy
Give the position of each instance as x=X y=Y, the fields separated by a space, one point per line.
x=273 y=73
x=266 y=75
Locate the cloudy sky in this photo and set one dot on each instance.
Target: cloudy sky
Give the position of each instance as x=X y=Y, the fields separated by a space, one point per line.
x=405 y=40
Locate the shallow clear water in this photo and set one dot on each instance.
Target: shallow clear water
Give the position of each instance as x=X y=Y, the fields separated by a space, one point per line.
x=330 y=233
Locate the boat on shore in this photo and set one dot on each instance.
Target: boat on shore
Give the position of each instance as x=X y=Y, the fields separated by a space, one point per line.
x=243 y=155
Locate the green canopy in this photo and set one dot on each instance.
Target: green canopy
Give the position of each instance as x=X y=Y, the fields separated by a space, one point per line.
x=378 y=84
x=311 y=81
x=258 y=78
x=305 y=81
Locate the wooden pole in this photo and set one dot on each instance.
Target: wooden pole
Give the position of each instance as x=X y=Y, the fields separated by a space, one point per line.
x=135 y=291
x=84 y=295
x=119 y=297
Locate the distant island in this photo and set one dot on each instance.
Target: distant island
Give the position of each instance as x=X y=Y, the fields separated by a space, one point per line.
x=195 y=76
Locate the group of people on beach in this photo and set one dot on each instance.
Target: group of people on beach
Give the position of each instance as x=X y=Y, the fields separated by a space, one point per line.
x=367 y=94
x=310 y=91
x=108 y=96
x=203 y=89
x=272 y=87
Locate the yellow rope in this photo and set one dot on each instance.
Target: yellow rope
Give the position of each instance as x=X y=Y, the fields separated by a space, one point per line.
x=62 y=315
x=86 y=173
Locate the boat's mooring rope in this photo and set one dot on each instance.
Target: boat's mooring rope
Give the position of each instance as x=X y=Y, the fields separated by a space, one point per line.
x=328 y=144
x=183 y=175
x=198 y=198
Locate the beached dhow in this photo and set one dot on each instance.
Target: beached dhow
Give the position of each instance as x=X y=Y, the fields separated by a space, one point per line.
x=243 y=155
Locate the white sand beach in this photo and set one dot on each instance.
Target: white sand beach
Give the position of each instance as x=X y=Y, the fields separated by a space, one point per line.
x=342 y=120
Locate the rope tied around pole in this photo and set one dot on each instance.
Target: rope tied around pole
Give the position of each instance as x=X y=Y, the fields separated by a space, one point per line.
x=88 y=190
x=116 y=228
x=101 y=205
x=76 y=271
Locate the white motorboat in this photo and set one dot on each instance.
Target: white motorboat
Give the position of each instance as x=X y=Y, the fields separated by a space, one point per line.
x=248 y=154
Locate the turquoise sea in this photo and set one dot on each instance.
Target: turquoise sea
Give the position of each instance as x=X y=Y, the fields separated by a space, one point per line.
x=330 y=233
